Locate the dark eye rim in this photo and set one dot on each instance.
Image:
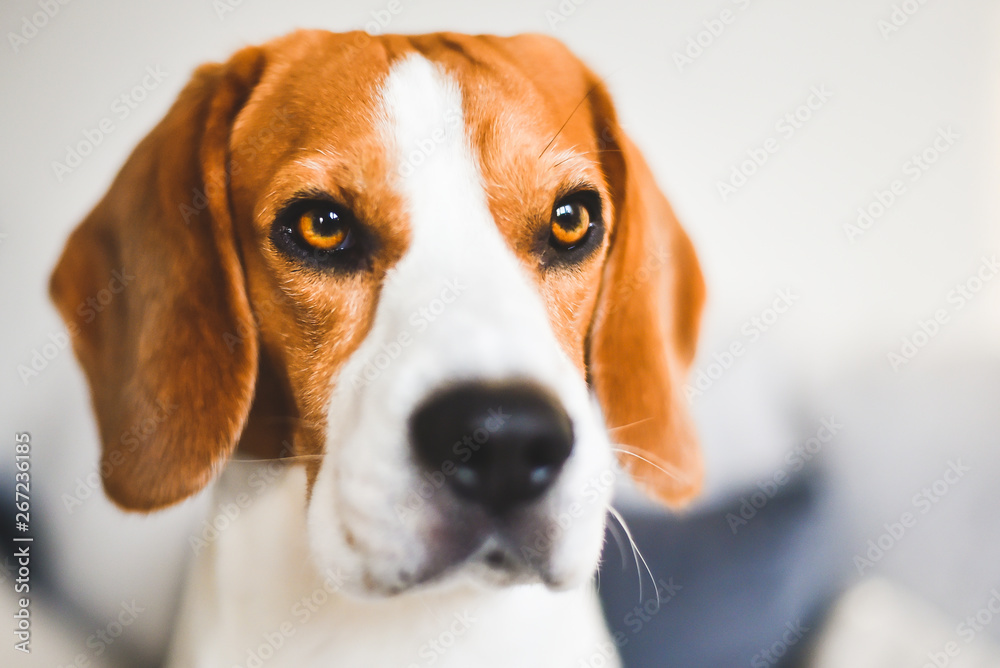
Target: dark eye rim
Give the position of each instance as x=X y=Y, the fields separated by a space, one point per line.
x=554 y=253
x=287 y=238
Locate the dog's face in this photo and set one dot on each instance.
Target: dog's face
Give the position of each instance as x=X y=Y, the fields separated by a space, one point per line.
x=431 y=267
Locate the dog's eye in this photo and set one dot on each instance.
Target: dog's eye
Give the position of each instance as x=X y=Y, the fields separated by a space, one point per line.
x=325 y=228
x=321 y=233
x=571 y=223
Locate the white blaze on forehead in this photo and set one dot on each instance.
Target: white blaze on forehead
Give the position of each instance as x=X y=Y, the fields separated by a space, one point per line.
x=454 y=239
x=434 y=167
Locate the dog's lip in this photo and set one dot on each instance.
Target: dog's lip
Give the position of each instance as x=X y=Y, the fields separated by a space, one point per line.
x=494 y=558
x=497 y=554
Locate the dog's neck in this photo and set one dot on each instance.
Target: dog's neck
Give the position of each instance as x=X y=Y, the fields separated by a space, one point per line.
x=254 y=598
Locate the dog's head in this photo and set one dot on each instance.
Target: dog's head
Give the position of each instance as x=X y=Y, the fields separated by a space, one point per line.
x=432 y=268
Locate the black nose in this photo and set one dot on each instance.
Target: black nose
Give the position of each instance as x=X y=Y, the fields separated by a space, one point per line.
x=499 y=444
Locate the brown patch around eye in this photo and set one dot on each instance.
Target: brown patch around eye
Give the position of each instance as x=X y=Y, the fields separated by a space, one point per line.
x=322 y=232
x=570 y=223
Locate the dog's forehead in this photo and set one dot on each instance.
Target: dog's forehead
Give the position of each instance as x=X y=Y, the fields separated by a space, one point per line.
x=319 y=114
x=333 y=79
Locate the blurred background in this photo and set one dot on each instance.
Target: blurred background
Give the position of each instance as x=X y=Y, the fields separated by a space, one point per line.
x=836 y=166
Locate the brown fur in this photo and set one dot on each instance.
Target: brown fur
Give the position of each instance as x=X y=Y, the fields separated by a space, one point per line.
x=241 y=345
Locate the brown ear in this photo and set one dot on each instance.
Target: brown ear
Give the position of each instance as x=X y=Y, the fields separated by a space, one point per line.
x=646 y=325
x=151 y=287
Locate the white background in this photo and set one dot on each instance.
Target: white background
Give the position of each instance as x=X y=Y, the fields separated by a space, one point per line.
x=784 y=229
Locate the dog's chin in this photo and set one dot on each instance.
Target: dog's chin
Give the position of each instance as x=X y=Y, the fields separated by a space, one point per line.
x=499 y=566
x=492 y=566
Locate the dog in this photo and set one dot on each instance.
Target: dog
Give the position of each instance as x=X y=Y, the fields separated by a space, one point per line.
x=425 y=298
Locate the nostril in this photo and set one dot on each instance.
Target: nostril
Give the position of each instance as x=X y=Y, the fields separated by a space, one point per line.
x=501 y=444
x=544 y=456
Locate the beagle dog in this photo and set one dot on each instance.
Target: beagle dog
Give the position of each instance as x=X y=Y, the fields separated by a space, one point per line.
x=430 y=285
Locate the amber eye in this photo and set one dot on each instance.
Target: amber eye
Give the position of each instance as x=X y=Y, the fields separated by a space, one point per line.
x=320 y=233
x=570 y=224
x=325 y=228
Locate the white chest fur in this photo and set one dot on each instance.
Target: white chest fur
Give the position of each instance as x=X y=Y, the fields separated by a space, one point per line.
x=254 y=598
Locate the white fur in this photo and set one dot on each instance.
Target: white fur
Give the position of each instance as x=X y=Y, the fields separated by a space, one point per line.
x=458 y=306
x=253 y=595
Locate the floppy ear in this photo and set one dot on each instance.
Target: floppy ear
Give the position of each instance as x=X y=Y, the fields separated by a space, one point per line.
x=150 y=285
x=646 y=324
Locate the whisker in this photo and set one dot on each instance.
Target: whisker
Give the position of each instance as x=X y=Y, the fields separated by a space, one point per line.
x=629 y=424
x=602 y=150
x=618 y=539
x=637 y=553
x=600 y=82
x=670 y=474
x=431 y=612
x=568 y=118
x=289 y=458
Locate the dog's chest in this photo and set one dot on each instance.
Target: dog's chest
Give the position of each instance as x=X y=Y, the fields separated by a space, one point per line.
x=253 y=599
